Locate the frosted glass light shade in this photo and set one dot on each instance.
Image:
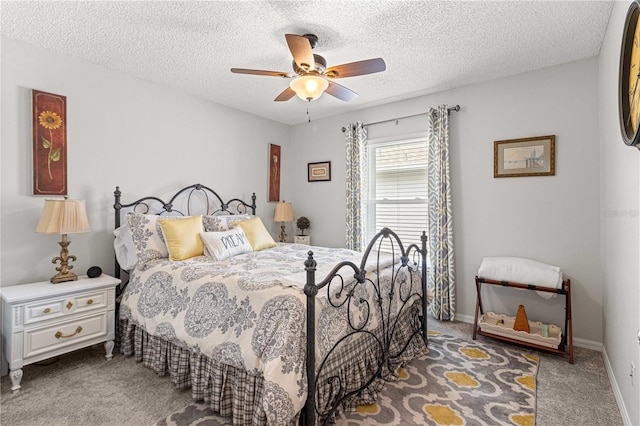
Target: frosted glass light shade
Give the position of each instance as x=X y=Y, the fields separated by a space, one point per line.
x=309 y=87
x=63 y=217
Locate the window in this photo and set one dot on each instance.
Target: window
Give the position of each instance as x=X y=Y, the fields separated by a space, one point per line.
x=397 y=193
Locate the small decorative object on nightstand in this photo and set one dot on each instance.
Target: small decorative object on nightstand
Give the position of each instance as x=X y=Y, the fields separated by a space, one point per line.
x=43 y=320
x=303 y=239
x=283 y=213
x=303 y=223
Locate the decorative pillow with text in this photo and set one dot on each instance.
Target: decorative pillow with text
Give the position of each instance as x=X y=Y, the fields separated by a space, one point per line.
x=226 y=244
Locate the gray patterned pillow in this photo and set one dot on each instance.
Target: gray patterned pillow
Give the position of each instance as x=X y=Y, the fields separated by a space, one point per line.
x=221 y=223
x=146 y=233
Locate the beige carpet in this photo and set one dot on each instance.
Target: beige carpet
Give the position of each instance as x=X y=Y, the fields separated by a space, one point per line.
x=82 y=388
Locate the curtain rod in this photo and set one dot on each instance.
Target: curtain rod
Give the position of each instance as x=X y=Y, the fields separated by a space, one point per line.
x=455 y=108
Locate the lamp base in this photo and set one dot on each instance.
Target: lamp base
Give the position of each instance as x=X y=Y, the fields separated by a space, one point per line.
x=60 y=277
x=64 y=270
x=283 y=235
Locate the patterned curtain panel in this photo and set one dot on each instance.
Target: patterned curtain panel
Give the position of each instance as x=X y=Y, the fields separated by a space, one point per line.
x=356 y=138
x=442 y=278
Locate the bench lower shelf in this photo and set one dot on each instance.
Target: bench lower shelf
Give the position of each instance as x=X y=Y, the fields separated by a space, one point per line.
x=559 y=350
x=502 y=325
x=555 y=343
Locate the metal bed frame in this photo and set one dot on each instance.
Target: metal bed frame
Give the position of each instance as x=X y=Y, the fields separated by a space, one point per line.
x=340 y=292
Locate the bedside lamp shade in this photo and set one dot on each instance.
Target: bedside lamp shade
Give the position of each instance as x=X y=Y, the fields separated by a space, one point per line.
x=63 y=217
x=283 y=213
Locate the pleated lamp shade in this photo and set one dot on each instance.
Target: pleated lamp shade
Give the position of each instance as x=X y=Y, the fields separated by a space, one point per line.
x=63 y=217
x=283 y=213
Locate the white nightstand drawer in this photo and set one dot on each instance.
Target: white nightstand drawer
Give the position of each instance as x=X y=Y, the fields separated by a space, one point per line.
x=91 y=301
x=49 y=309
x=43 y=311
x=50 y=338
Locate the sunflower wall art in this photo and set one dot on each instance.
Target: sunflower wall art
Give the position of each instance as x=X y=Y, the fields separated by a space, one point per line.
x=49 y=143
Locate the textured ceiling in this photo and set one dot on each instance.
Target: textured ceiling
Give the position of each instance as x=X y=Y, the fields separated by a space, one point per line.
x=427 y=46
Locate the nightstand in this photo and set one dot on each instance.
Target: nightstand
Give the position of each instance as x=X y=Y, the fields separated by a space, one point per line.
x=302 y=239
x=43 y=320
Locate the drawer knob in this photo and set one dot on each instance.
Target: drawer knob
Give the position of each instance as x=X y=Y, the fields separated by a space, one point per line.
x=69 y=305
x=47 y=310
x=59 y=334
x=90 y=302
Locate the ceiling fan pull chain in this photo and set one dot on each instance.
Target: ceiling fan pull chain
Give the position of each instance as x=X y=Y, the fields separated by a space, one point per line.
x=308 y=114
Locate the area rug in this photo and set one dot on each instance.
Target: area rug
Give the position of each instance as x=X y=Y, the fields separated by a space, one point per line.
x=456 y=382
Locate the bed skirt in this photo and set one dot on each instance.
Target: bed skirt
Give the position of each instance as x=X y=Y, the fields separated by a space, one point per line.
x=233 y=392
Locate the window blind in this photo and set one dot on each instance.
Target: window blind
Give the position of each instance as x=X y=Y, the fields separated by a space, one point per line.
x=398 y=188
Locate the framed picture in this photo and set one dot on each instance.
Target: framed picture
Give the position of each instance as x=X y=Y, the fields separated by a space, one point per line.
x=319 y=172
x=525 y=157
x=274 y=172
x=49 y=143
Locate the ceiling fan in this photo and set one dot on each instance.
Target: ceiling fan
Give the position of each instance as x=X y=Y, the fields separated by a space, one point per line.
x=312 y=77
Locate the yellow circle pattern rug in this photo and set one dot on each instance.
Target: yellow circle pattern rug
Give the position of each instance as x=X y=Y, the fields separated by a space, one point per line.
x=457 y=382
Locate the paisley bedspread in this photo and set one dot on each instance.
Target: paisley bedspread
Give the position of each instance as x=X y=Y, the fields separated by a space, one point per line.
x=247 y=311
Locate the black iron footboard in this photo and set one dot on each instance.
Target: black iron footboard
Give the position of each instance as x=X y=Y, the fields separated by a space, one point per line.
x=381 y=334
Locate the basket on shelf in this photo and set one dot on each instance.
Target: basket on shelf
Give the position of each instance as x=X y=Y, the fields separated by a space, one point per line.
x=502 y=325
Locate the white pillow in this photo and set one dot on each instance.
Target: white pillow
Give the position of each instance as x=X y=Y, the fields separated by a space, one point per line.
x=124 y=247
x=223 y=245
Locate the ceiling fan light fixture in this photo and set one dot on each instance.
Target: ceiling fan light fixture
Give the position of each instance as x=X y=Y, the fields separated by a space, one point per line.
x=309 y=87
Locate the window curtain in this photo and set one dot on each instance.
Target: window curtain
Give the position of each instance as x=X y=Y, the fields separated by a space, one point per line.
x=441 y=280
x=356 y=143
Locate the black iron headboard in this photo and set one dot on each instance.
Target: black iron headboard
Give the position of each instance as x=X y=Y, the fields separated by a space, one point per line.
x=190 y=200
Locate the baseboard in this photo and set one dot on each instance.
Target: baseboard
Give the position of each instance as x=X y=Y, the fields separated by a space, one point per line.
x=465 y=318
x=581 y=343
x=588 y=344
x=616 y=390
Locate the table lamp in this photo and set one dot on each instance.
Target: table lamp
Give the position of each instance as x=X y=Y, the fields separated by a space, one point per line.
x=63 y=217
x=284 y=213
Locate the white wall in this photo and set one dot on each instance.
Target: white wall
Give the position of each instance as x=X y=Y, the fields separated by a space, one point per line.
x=620 y=227
x=121 y=131
x=552 y=219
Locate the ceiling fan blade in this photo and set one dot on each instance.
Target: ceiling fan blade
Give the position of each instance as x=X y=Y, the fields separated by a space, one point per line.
x=353 y=69
x=300 y=48
x=287 y=94
x=261 y=72
x=341 y=92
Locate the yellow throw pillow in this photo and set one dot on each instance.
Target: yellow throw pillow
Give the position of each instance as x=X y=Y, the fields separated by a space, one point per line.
x=182 y=237
x=256 y=233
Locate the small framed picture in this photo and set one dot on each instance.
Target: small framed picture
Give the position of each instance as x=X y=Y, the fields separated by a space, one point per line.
x=525 y=157
x=319 y=172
